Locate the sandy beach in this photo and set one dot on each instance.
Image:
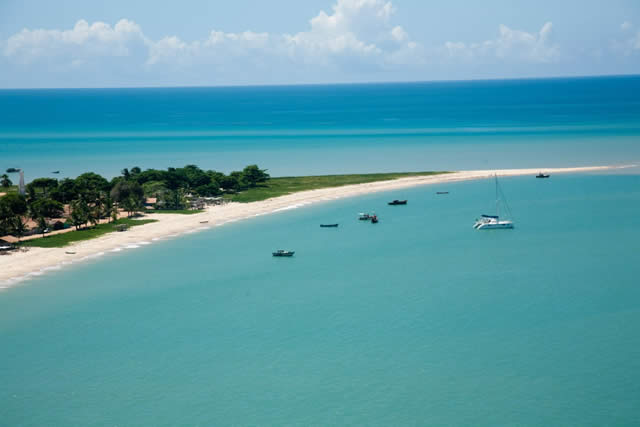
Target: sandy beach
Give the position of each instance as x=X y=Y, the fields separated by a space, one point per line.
x=36 y=261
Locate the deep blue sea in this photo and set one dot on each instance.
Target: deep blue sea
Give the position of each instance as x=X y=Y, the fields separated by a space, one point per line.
x=365 y=128
x=417 y=320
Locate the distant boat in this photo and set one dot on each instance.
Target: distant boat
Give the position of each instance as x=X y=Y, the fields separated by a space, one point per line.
x=13 y=170
x=543 y=175
x=283 y=253
x=493 y=222
x=55 y=172
x=204 y=222
x=397 y=202
x=364 y=216
x=328 y=225
x=442 y=192
x=70 y=253
x=374 y=219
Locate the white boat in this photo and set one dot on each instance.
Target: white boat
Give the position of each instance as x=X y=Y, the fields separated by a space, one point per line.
x=493 y=222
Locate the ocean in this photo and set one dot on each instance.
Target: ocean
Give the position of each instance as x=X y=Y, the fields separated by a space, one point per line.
x=417 y=320
x=366 y=128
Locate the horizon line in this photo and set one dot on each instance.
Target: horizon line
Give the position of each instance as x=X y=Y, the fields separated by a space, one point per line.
x=381 y=82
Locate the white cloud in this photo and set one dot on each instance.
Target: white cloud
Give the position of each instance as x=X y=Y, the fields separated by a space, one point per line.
x=511 y=45
x=357 y=30
x=629 y=45
x=78 y=44
x=357 y=33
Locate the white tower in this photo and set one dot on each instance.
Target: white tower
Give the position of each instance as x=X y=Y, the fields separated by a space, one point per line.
x=21 y=188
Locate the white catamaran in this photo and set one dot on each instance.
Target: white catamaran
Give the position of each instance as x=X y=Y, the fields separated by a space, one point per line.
x=493 y=222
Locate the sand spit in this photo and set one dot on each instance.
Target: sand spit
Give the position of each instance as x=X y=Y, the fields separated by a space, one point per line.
x=34 y=262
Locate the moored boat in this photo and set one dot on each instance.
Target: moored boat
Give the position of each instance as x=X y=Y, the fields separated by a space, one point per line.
x=543 y=175
x=442 y=192
x=328 y=225
x=283 y=253
x=374 y=219
x=364 y=216
x=397 y=202
x=493 y=222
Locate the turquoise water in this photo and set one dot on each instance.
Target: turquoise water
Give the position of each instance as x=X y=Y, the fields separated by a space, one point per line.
x=365 y=128
x=418 y=320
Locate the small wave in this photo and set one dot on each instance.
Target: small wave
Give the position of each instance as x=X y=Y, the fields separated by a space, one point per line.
x=96 y=255
x=35 y=273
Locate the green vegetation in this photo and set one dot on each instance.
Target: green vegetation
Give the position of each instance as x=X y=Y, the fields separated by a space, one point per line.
x=89 y=198
x=60 y=240
x=275 y=187
x=5 y=182
x=176 y=211
x=9 y=190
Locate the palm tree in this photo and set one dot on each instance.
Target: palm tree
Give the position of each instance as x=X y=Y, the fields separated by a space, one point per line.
x=5 y=181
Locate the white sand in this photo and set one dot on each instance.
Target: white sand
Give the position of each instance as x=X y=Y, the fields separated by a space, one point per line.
x=35 y=261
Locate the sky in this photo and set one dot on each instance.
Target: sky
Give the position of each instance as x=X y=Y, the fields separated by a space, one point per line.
x=129 y=43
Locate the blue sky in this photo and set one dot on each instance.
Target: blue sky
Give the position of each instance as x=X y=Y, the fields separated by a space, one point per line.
x=116 y=43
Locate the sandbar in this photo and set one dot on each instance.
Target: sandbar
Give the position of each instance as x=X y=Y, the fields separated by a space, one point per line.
x=21 y=265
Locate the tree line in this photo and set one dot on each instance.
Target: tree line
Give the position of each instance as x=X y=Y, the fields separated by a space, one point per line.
x=90 y=197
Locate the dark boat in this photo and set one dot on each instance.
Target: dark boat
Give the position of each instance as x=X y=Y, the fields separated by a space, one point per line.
x=442 y=192
x=283 y=253
x=397 y=202
x=328 y=225
x=543 y=175
x=55 y=172
x=364 y=217
x=374 y=219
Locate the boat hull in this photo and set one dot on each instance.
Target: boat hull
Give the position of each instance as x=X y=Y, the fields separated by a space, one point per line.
x=500 y=225
x=283 y=253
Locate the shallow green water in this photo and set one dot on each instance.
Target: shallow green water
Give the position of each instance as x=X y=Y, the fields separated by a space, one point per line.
x=416 y=320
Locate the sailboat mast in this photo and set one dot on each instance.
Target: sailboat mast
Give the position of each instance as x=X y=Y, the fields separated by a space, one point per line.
x=497 y=203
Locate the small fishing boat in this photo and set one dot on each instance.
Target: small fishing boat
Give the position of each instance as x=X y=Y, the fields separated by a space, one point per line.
x=55 y=172
x=364 y=216
x=328 y=225
x=374 y=219
x=543 y=175
x=397 y=202
x=442 y=192
x=283 y=253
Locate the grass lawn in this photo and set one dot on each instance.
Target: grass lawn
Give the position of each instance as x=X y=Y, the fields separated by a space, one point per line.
x=60 y=240
x=9 y=190
x=180 y=211
x=286 y=185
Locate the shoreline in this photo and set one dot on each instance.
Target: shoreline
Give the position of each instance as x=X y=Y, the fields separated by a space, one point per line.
x=36 y=261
